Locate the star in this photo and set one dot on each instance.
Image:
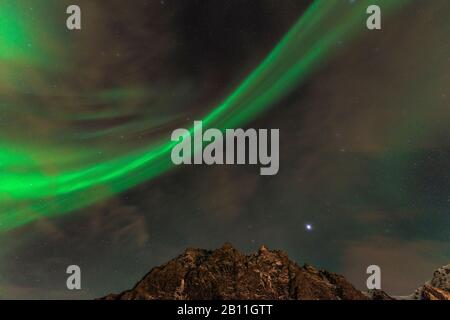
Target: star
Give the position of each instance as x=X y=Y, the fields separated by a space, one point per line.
x=309 y=227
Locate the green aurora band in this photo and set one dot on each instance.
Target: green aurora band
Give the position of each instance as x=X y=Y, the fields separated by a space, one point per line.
x=46 y=179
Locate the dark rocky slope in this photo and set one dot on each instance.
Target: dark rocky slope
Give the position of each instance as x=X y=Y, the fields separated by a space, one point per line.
x=438 y=288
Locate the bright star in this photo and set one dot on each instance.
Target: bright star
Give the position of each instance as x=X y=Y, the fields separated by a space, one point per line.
x=308 y=227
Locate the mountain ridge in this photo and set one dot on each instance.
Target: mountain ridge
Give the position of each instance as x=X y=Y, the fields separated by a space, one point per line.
x=228 y=274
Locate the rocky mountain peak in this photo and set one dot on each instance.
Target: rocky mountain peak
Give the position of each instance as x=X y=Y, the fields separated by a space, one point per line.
x=226 y=273
x=441 y=278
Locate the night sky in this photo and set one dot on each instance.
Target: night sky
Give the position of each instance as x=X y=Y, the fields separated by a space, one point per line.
x=364 y=143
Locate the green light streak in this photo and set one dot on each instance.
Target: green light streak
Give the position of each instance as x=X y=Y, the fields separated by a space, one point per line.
x=24 y=31
x=13 y=42
x=37 y=182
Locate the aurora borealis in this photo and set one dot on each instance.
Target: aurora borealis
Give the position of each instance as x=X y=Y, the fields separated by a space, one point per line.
x=86 y=116
x=33 y=177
